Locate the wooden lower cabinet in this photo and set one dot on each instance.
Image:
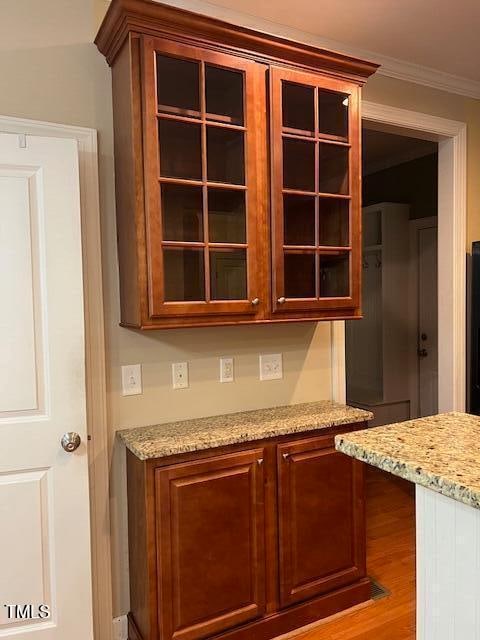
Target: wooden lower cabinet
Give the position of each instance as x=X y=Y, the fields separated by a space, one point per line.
x=249 y=541
x=321 y=520
x=211 y=542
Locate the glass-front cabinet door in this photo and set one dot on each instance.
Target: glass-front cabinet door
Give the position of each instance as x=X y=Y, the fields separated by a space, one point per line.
x=203 y=208
x=315 y=128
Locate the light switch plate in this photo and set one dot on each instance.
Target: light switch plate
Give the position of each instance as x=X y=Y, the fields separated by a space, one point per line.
x=180 y=375
x=226 y=370
x=131 y=380
x=271 y=366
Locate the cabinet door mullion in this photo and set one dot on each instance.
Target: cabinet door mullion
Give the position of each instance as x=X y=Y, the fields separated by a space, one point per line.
x=236 y=267
x=334 y=269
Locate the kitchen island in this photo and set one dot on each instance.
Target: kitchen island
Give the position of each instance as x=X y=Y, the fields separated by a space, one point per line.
x=441 y=455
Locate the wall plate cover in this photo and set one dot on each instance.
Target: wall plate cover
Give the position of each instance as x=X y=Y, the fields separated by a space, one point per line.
x=180 y=375
x=131 y=380
x=271 y=366
x=226 y=370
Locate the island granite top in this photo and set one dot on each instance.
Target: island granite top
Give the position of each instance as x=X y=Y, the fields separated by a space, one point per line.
x=173 y=438
x=441 y=452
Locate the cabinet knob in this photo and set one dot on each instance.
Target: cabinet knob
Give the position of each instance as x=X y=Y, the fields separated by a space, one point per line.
x=255 y=301
x=285 y=456
x=260 y=461
x=281 y=300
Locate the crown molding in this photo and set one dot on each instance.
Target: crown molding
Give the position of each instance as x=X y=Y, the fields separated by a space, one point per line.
x=426 y=76
x=390 y=67
x=167 y=20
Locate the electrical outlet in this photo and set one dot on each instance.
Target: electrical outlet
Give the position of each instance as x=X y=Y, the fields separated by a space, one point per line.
x=131 y=380
x=226 y=370
x=271 y=367
x=180 y=375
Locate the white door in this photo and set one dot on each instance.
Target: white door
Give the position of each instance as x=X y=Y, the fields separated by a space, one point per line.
x=427 y=338
x=45 y=575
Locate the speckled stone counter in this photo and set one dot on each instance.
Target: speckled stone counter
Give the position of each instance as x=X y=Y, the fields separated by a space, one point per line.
x=441 y=453
x=172 y=438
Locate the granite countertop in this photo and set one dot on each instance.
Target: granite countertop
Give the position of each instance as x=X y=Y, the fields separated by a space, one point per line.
x=172 y=438
x=441 y=453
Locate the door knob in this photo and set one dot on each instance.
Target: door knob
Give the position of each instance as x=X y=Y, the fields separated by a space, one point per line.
x=422 y=353
x=70 y=441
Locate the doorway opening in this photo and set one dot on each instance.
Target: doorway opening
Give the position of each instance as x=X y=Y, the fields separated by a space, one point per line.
x=392 y=354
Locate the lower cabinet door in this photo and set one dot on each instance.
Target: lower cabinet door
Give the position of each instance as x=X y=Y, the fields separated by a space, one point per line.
x=321 y=519
x=210 y=544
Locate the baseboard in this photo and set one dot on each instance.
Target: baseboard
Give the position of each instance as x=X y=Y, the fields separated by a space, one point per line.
x=290 y=619
x=120 y=628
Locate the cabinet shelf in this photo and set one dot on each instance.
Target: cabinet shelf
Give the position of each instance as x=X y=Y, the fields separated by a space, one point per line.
x=200 y=183
x=312 y=248
x=220 y=122
x=294 y=134
x=321 y=194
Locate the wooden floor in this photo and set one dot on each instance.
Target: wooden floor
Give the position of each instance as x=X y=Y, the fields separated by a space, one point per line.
x=390 y=560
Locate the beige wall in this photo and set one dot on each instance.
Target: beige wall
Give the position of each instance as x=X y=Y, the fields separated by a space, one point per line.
x=54 y=73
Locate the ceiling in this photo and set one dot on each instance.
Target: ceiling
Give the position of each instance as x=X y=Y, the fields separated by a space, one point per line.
x=440 y=34
x=382 y=150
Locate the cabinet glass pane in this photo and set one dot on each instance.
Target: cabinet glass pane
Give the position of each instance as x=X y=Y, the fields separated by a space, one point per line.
x=333 y=169
x=333 y=113
x=299 y=275
x=178 y=85
x=333 y=222
x=226 y=216
x=298 y=107
x=299 y=219
x=180 y=149
x=334 y=276
x=184 y=274
x=224 y=94
x=225 y=155
x=298 y=164
x=228 y=274
x=182 y=213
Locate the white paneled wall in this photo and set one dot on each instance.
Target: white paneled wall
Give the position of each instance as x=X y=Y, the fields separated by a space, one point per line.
x=448 y=568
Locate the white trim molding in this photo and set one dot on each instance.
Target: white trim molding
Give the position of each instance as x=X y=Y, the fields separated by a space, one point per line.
x=451 y=136
x=391 y=67
x=338 y=367
x=94 y=356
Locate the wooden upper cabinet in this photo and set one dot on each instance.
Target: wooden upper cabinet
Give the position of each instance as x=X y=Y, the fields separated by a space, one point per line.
x=204 y=209
x=237 y=159
x=316 y=231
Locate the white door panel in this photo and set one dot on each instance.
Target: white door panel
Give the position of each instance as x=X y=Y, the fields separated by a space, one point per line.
x=428 y=321
x=44 y=506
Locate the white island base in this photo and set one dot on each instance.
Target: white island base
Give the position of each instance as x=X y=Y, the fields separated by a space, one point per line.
x=441 y=455
x=448 y=568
